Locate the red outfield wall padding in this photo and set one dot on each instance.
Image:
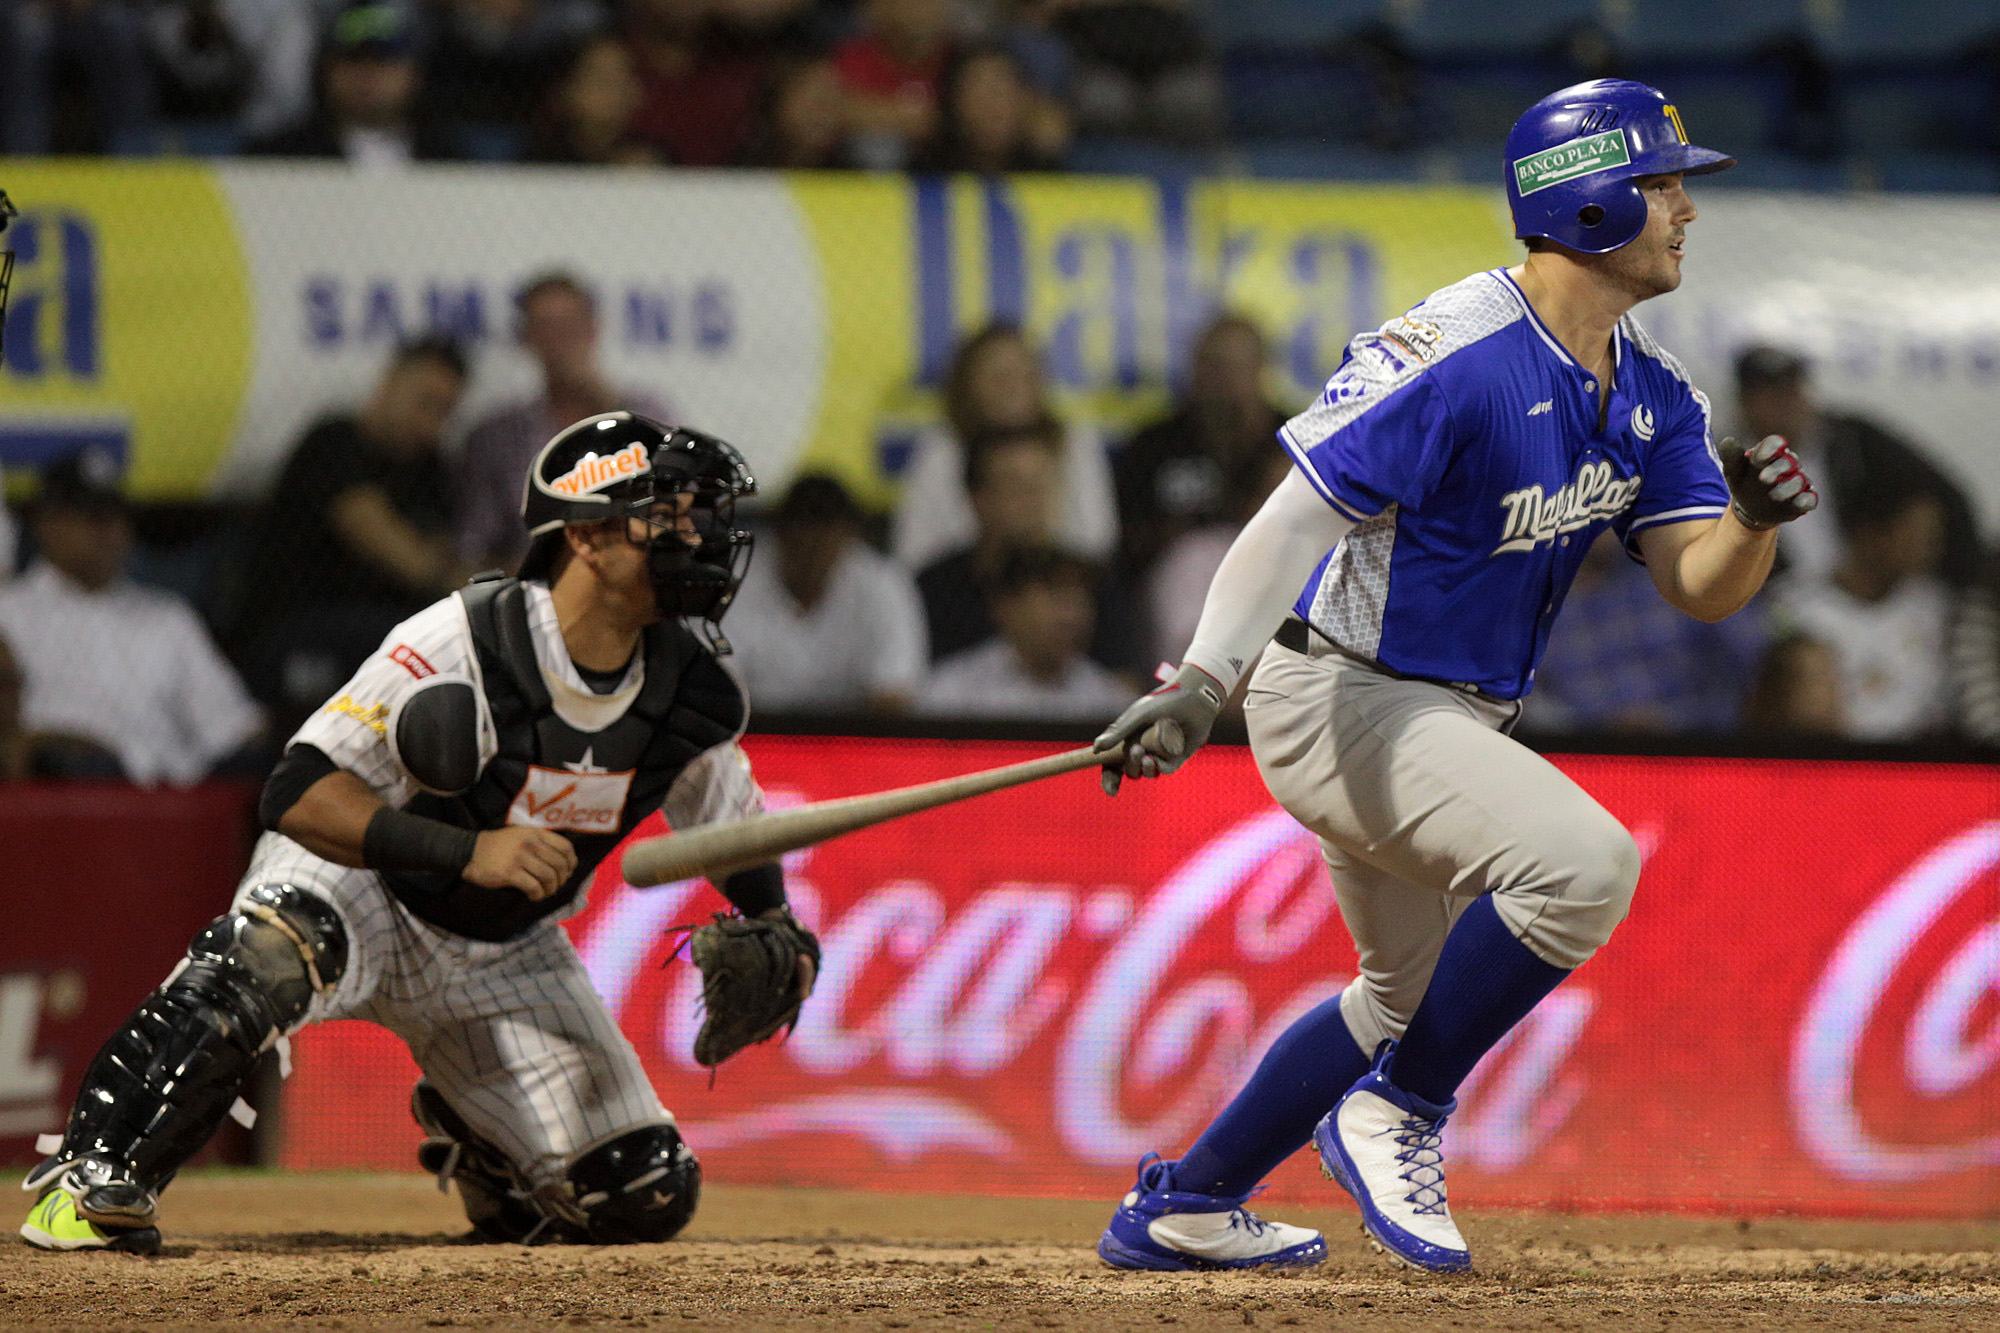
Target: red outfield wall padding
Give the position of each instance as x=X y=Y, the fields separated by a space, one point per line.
x=104 y=886
x=1025 y=992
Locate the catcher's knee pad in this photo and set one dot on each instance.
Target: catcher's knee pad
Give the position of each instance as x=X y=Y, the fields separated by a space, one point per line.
x=1589 y=894
x=641 y=1186
x=161 y=1085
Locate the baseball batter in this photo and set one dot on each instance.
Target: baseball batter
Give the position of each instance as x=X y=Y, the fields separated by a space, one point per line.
x=1447 y=485
x=430 y=827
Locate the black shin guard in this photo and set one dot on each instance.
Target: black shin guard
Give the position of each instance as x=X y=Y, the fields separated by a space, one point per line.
x=159 y=1089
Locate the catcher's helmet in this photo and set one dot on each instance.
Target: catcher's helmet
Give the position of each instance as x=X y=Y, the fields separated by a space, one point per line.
x=623 y=465
x=1572 y=158
x=7 y=214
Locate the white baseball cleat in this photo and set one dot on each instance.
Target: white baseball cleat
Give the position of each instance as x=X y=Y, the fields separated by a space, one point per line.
x=1381 y=1145
x=1163 y=1229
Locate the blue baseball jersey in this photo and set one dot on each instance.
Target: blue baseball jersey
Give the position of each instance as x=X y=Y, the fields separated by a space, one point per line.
x=1464 y=442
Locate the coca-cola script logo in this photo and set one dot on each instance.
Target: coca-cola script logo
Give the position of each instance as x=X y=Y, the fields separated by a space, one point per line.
x=1079 y=1022
x=1909 y=997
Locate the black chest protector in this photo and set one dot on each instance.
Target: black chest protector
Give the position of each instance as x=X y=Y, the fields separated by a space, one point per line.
x=548 y=772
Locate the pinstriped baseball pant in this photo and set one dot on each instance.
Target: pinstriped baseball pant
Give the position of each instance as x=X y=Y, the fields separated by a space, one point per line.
x=510 y=1032
x=1421 y=804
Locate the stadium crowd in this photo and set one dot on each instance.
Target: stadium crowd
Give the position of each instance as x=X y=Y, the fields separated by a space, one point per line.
x=1037 y=566
x=1036 y=570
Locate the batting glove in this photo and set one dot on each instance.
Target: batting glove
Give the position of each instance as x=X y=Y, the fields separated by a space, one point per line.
x=1159 y=731
x=1766 y=487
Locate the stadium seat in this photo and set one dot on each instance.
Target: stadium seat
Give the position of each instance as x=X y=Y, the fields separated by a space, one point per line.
x=1108 y=156
x=1283 y=23
x=1467 y=28
x=1322 y=159
x=1292 y=94
x=1872 y=31
x=1713 y=29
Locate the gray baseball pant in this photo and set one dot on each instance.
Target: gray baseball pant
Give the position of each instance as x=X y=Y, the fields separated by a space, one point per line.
x=1422 y=803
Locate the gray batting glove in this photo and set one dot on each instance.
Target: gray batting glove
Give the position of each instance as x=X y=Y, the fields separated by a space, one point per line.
x=1766 y=487
x=1159 y=731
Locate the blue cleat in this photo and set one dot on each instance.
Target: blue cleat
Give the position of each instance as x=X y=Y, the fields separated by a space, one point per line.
x=1159 y=1228
x=1381 y=1145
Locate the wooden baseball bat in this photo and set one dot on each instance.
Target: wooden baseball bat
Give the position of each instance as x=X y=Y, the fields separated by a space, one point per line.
x=720 y=850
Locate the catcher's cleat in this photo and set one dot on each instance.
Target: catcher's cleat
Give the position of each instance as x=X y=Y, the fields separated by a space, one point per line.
x=89 y=1207
x=497 y=1202
x=1160 y=1228
x=1381 y=1145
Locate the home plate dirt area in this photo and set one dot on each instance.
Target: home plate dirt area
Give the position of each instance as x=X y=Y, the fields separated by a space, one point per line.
x=383 y=1252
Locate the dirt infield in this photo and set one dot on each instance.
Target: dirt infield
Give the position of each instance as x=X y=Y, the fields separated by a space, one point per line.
x=381 y=1253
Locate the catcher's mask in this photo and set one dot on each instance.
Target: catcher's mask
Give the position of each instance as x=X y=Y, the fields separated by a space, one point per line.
x=7 y=214
x=681 y=483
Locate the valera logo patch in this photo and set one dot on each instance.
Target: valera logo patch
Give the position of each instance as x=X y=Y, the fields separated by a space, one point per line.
x=593 y=472
x=555 y=798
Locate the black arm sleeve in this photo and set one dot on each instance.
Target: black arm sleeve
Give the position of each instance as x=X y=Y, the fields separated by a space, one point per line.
x=757 y=889
x=298 y=768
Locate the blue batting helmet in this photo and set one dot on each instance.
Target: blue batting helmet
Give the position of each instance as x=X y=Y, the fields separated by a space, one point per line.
x=1572 y=158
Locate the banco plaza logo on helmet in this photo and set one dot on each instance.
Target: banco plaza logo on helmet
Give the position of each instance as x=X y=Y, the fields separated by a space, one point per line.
x=1565 y=162
x=594 y=472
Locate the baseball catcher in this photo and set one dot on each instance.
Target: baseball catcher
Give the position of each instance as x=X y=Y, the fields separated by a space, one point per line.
x=430 y=828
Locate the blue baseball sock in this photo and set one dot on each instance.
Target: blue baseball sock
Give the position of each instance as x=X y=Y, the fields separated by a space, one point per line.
x=1486 y=981
x=1304 y=1073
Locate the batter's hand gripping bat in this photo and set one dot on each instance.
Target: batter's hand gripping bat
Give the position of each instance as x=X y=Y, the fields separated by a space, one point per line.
x=720 y=850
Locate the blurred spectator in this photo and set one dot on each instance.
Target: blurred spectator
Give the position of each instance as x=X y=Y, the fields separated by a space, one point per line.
x=995 y=382
x=244 y=63
x=1206 y=462
x=823 y=622
x=356 y=535
x=589 y=113
x=1975 y=657
x=1774 y=396
x=369 y=109
x=556 y=324
x=1174 y=587
x=17 y=747
x=1141 y=67
x=1622 y=659
x=1797 y=691
x=1884 y=609
x=123 y=669
x=1012 y=477
x=704 y=66
x=992 y=121
x=489 y=61
x=803 y=121
x=893 y=70
x=75 y=77
x=1035 y=670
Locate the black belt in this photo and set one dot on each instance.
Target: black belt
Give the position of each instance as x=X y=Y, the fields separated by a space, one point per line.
x=1294 y=634
x=1301 y=637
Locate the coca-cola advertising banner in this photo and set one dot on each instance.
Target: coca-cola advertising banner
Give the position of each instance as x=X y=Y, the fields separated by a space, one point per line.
x=1024 y=992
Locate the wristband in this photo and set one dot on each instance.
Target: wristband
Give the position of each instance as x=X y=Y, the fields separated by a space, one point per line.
x=399 y=840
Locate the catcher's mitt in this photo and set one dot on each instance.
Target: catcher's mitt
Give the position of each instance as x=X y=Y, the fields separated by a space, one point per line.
x=750 y=983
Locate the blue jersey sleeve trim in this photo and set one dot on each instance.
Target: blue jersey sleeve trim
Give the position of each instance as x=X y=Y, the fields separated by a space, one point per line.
x=1666 y=519
x=1304 y=464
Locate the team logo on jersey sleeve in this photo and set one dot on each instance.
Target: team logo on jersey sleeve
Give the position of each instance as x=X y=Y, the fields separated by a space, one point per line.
x=1642 y=421
x=1533 y=517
